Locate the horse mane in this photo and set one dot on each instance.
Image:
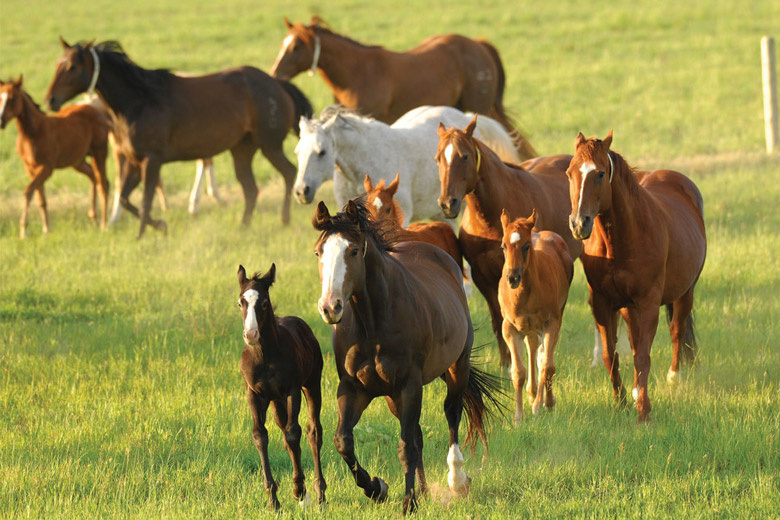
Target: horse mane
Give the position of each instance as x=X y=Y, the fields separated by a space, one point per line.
x=383 y=234
x=321 y=27
x=622 y=169
x=332 y=111
x=29 y=98
x=152 y=83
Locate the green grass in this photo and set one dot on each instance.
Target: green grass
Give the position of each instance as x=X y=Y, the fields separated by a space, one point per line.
x=119 y=387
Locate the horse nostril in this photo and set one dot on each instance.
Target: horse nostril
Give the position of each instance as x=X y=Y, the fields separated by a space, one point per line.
x=453 y=201
x=585 y=221
x=306 y=190
x=337 y=308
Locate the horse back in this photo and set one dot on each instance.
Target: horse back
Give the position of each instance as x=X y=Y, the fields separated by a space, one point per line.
x=438 y=234
x=297 y=338
x=76 y=131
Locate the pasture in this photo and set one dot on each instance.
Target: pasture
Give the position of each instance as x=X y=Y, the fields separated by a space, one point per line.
x=120 y=394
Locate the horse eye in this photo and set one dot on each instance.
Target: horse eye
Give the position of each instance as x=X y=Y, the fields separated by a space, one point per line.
x=601 y=175
x=316 y=253
x=239 y=302
x=503 y=246
x=296 y=47
x=321 y=153
x=466 y=157
x=354 y=252
x=526 y=247
x=265 y=304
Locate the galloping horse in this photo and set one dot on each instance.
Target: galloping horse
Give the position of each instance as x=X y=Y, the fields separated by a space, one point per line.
x=160 y=117
x=46 y=143
x=532 y=292
x=470 y=171
x=449 y=70
x=400 y=320
x=644 y=246
x=359 y=145
x=281 y=358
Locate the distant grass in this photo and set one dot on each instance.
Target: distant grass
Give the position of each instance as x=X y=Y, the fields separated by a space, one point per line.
x=119 y=387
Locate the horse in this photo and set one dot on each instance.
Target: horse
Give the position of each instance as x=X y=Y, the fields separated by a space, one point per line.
x=160 y=117
x=359 y=145
x=384 y=208
x=449 y=70
x=470 y=171
x=644 y=246
x=281 y=358
x=46 y=143
x=400 y=320
x=532 y=293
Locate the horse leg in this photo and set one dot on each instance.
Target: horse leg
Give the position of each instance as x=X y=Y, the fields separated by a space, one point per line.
x=277 y=158
x=258 y=406
x=242 y=163
x=41 y=195
x=313 y=395
x=642 y=321
x=513 y=338
x=606 y=320
x=457 y=379
x=489 y=289
x=86 y=169
x=196 y=186
x=422 y=482
x=131 y=177
x=408 y=402
x=151 y=176
x=351 y=404
x=211 y=181
x=116 y=210
x=38 y=178
x=99 y=167
x=547 y=371
x=161 y=194
x=681 y=331
x=286 y=415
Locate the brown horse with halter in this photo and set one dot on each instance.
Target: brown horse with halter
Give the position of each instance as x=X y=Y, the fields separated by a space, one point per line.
x=46 y=143
x=449 y=70
x=532 y=292
x=160 y=117
x=281 y=358
x=400 y=320
x=469 y=171
x=384 y=208
x=645 y=245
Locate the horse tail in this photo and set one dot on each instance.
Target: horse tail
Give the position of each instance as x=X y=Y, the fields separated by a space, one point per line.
x=524 y=147
x=302 y=104
x=689 y=347
x=493 y=134
x=482 y=390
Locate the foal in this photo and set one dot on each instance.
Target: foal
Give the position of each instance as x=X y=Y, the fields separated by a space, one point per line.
x=281 y=357
x=532 y=293
x=46 y=143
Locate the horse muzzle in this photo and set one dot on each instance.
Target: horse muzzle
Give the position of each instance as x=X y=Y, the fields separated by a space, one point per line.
x=251 y=337
x=54 y=103
x=450 y=207
x=304 y=194
x=331 y=310
x=581 y=226
x=514 y=277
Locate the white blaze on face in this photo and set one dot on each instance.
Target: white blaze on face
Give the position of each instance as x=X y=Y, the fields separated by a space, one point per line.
x=251 y=296
x=334 y=267
x=585 y=169
x=448 y=153
x=3 y=101
x=514 y=238
x=287 y=42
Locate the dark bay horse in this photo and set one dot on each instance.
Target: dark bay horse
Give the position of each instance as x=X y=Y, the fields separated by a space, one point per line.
x=644 y=246
x=449 y=70
x=470 y=171
x=160 y=117
x=281 y=358
x=400 y=320
x=48 y=142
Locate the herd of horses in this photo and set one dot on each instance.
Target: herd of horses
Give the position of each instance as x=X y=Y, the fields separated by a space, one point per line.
x=399 y=149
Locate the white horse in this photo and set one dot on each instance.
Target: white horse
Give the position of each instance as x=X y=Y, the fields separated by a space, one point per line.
x=362 y=146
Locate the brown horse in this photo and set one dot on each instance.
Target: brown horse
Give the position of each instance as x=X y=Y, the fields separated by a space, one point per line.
x=160 y=117
x=532 y=292
x=400 y=320
x=449 y=70
x=645 y=246
x=470 y=171
x=46 y=143
x=384 y=208
x=281 y=358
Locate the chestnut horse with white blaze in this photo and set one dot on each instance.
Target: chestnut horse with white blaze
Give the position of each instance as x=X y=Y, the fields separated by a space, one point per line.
x=400 y=320
x=449 y=70
x=469 y=171
x=532 y=292
x=644 y=246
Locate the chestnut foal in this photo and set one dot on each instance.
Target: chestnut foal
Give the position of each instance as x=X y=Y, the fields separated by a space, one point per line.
x=532 y=293
x=281 y=357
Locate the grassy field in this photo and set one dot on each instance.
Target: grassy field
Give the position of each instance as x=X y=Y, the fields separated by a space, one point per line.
x=119 y=387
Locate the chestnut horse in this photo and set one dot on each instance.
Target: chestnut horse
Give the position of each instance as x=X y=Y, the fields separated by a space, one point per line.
x=470 y=171
x=160 y=117
x=384 y=208
x=46 y=143
x=532 y=292
x=400 y=320
x=449 y=70
x=644 y=246
x=281 y=358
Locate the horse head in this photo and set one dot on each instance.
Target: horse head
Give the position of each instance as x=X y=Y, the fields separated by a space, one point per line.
x=255 y=302
x=590 y=183
x=75 y=73
x=11 y=100
x=300 y=50
x=458 y=158
x=316 y=153
x=380 y=202
x=517 y=245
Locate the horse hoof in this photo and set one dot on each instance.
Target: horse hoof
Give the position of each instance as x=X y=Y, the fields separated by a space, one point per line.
x=305 y=502
x=463 y=489
x=537 y=407
x=671 y=377
x=410 y=504
x=382 y=496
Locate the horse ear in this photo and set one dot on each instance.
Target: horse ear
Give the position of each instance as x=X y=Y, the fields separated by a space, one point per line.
x=287 y=23
x=241 y=275
x=531 y=221
x=18 y=82
x=393 y=186
x=90 y=43
x=65 y=45
x=352 y=211
x=504 y=218
x=441 y=129
x=315 y=21
x=270 y=277
x=367 y=184
x=321 y=216
x=471 y=126
x=579 y=139
x=608 y=140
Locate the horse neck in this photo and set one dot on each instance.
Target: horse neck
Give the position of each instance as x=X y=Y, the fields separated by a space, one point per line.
x=357 y=148
x=371 y=301
x=269 y=349
x=30 y=119
x=617 y=226
x=490 y=194
x=115 y=92
x=341 y=62
x=399 y=214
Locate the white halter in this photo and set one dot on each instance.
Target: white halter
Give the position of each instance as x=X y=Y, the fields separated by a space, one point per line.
x=611 y=167
x=316 y=58
x=95 y=72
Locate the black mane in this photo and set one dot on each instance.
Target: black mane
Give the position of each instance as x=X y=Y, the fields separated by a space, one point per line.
x=383 y=234
x=152 y=84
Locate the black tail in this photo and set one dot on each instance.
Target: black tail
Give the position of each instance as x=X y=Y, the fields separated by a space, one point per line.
x=482 y=387
x=690 y=348
x=302 y=105
x=522 y=145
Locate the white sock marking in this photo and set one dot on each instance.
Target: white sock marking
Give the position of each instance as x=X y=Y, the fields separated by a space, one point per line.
x=635 y=394
x=448 y=153
x=251 y=297
x=456 y=478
